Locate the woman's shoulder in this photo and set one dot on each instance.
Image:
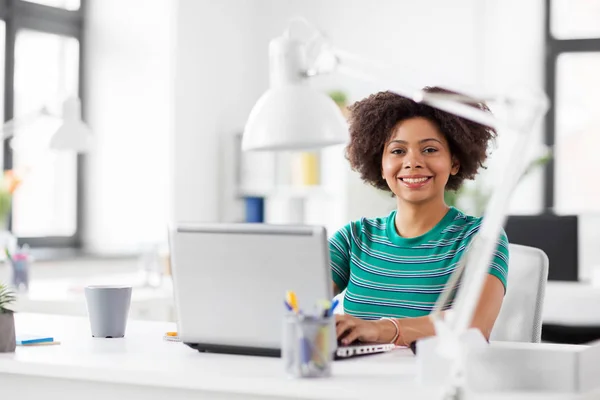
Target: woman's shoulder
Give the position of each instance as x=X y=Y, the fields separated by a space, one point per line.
x=462 y=223
x=369 y=225
x=466 y=225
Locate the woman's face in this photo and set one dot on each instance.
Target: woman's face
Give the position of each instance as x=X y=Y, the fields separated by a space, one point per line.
x=416 y=162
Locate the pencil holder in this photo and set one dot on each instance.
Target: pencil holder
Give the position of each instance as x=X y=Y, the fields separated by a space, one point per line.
x=20 y=274
x=306 y=347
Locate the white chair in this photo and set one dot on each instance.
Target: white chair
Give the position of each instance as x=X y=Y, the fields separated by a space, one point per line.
x=520 y=318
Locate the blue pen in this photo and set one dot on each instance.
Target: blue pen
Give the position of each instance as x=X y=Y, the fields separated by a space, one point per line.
x=333 y=306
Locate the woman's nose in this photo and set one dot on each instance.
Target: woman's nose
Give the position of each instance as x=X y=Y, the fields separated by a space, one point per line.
x=413 y=159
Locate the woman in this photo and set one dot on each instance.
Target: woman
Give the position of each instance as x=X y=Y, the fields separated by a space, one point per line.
x=393 y=268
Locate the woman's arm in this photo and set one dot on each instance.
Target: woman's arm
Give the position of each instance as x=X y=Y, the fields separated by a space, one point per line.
x=486 y=313
x=411 y=329
x=339 y=258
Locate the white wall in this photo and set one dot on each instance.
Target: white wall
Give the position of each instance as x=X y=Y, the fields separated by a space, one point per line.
x=128 y=80
x=512 y=46
x=170 y=83
x=219 y=75
x=222 y=69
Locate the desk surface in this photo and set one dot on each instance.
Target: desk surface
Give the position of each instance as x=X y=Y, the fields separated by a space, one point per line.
x=571 y=304
x=154 y=367
x=144 y=358
x=565 y=303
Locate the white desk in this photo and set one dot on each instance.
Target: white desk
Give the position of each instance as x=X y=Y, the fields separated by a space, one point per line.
x=143 y=366
x=572 y=304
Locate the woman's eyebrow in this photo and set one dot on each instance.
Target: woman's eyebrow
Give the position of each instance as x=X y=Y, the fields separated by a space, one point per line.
x=420 y=141
x=430 y=139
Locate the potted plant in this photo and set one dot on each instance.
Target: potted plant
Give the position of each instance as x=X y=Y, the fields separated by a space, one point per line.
x=7 y=321
x=9 y=183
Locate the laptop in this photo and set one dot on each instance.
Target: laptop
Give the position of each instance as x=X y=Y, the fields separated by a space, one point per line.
x=230 y=280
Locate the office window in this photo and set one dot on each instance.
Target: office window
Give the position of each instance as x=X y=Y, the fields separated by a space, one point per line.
x=575 y=19
x=2 y=52
x=572 y=124
x=46 y=72
x=70 y=5
x=42 y=46
x=577 y=133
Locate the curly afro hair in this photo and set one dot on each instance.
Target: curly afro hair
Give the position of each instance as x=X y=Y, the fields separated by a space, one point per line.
x=372 y=122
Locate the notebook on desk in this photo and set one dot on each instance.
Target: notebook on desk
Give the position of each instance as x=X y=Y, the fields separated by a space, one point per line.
x=229 y=281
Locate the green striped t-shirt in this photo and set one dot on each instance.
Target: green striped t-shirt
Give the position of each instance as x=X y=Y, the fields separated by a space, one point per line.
x=386 y=275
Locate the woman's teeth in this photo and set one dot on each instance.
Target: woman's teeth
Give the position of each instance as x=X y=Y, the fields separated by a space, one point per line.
x=414 y=180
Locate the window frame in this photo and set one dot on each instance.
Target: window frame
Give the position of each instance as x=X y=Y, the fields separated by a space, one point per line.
x=553 y=49
x=17 y=15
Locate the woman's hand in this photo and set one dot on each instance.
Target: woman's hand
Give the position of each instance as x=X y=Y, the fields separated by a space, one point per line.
x=350 y=328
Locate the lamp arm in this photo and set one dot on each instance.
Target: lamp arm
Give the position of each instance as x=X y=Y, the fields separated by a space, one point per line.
x=476 y=261
x=9 y=128
x=524 y=106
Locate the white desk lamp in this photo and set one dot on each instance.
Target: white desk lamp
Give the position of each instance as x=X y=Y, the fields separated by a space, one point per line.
x=292 y=116
x=73 y=134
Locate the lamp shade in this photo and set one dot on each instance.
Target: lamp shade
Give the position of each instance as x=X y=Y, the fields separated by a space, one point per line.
x=294 y=117
x=73 y=134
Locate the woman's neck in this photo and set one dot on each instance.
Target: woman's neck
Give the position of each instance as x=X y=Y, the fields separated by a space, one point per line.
x=414 y=220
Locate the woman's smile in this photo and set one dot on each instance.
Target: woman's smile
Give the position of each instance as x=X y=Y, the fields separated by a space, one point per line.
x=415 y=181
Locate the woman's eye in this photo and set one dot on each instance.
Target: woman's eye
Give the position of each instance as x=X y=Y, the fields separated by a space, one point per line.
x=430 y=150
x=398 y=151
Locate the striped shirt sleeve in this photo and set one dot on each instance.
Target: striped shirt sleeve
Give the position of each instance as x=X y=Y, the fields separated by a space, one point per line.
x=499 y=266
x=339 y=254
x=499 y=263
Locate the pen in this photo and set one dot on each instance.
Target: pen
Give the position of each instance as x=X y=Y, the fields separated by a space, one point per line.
x=292 y=300
x=323 y=307
x=8 y=254
x=287 y=306
x=333 y=306
x=305 y=348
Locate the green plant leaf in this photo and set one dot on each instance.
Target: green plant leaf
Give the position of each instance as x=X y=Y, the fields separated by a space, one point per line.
x=340 y=98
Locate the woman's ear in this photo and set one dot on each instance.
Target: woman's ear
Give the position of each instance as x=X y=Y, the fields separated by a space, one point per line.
x=455 y=166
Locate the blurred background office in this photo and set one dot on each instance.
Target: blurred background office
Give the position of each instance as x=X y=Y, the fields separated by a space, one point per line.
x=166 y=88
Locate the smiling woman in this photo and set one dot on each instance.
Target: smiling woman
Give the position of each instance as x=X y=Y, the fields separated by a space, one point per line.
x=417 y=162
x=393 y=268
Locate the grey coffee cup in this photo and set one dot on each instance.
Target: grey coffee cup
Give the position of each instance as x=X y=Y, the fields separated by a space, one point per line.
x=108 y=308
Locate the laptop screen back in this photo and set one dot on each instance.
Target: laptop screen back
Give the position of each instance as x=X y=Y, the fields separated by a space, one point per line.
x=230 y=280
